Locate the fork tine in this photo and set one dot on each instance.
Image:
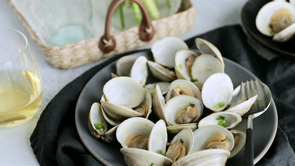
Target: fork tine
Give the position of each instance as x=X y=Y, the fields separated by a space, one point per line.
x=260 y=99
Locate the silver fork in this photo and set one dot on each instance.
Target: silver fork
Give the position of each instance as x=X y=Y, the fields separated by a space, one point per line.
x=248 y=90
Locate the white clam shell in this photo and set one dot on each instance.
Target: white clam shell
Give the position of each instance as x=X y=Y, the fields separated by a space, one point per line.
x=205 y=66
x=180 y=82
x=217 y=89
x=133 y=156
x=180 y=67
x=187 y=137
x=241 y=143
x=139 y=70
x=161 y=72
x=124 y=65
x=95 y=116
x=264 y=15
x=179 y=102
x=164 y=50
x=164 y=86
x=206 y=47
x=124 y=91
x=202 y=134
x=158 y=104
x=232 y=119
x=239 y=107
x=209 y=157
x=158 y=137
x=285 y=34
x=133 y=125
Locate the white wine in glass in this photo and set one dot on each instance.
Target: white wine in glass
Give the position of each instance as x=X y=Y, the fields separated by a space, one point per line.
x=20 y=82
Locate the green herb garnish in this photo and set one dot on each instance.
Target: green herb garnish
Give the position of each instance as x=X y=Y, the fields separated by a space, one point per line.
x=99 y=126
x=194 y=80
x=219 y=105
x=160 y=152
x=180 y=66
x=152 y=164
x=222 y=123
x=220 y=117
x=228 y=138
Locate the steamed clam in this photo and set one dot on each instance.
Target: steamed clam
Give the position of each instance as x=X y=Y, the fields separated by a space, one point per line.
x=182 y=135
x=164 y=51
x=179 y=112
x=134 y=67
x=197 y=67
x=277 y=19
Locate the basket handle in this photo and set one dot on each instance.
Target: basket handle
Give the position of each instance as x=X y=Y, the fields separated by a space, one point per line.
x=107 y=42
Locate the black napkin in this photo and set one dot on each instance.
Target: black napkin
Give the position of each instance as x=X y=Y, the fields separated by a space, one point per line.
x=55 y=140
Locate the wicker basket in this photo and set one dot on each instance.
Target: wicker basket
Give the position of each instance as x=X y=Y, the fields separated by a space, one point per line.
x=87 y=51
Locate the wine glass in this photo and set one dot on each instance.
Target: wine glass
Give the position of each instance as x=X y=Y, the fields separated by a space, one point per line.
x=20 y=81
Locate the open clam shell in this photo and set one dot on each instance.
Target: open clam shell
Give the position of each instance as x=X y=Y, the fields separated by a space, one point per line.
x=224 y=119
x=164 y=86
x=182 y=68
x=158 y=138
x=217 y=92
x=161 y=72
x=139 y=70
x=124 y=91
x=205 y=66
x=164 y=50
x=134 y=67
x=239 y=103
x=206 y=47
x=158 y=104
x=203 y=134
x=216 y=157
x=240 y=141
x=180 y=86
x=133 y=156
x=115 y=114
x=98 y=126
x=134 y=127
x=124 y=65
x=277 y=19
x=174 y=109
x=187 y=137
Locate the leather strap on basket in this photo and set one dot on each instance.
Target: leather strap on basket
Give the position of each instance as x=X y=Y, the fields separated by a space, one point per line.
x=107 y=42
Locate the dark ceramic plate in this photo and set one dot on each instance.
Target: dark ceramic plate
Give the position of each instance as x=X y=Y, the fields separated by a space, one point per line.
x=249 y=13
x=265 y=126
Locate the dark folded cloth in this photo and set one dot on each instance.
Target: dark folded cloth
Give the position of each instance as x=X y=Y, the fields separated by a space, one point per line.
x=55 y=140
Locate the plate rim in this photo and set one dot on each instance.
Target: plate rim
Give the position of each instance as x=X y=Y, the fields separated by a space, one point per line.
x=256 y=160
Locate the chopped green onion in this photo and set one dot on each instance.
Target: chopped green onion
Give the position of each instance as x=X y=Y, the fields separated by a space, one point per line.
x=219 y=105
x=194 y=80
x=228 y=138
x=220 y=117
x=180 y=66
x=222 y=123
x=160 y=152
x=152 y=164
x=99 y=126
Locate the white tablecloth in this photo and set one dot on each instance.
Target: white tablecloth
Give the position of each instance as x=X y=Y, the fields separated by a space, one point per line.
x=15 y=147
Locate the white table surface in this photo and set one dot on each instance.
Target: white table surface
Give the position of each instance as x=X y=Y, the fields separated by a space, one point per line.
x=15 y=146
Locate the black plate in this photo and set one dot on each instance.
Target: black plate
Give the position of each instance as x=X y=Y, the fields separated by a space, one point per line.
x=265 y=126
x=249 y=13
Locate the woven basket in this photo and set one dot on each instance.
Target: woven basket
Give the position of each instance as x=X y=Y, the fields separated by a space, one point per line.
x=87 y=51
